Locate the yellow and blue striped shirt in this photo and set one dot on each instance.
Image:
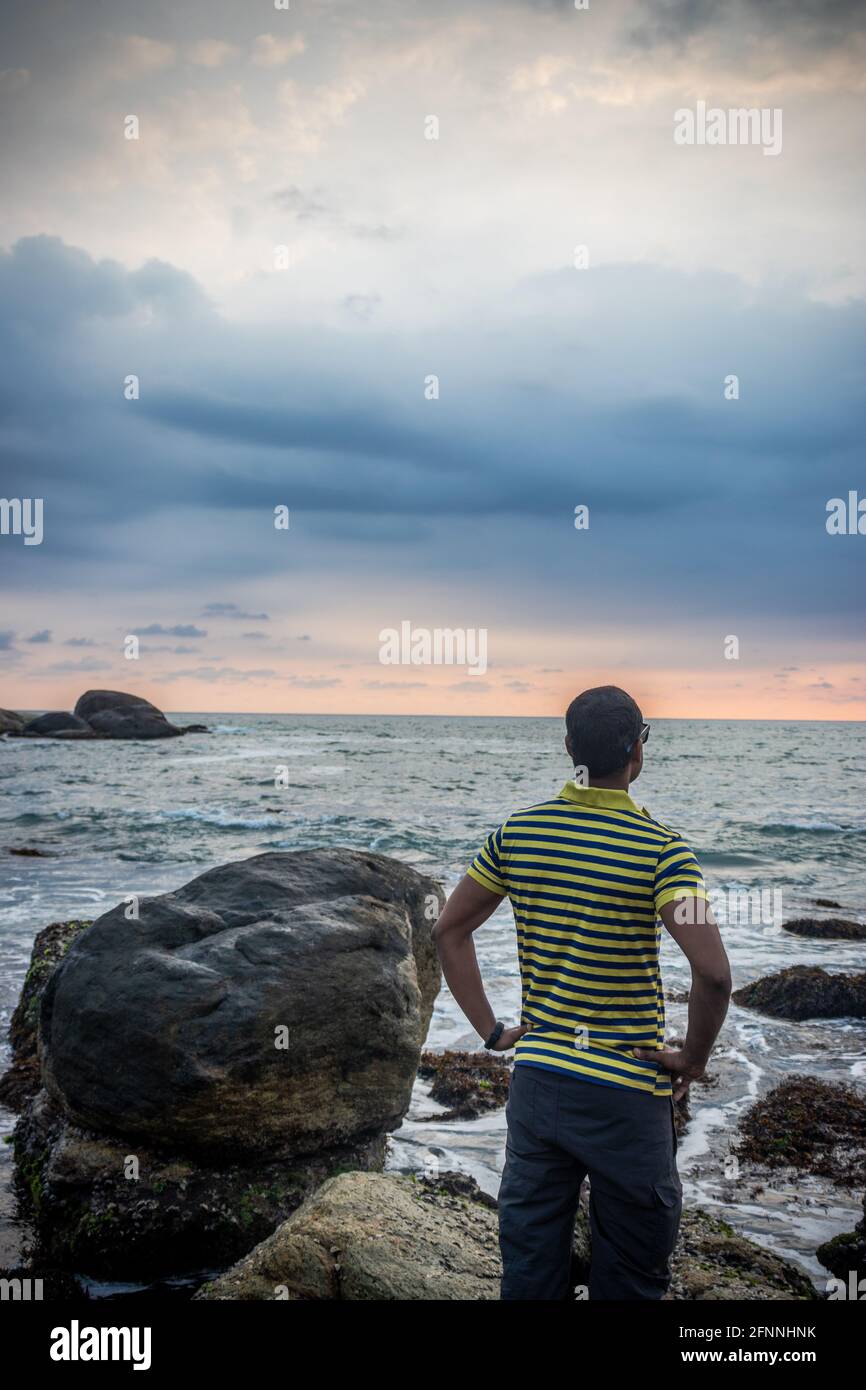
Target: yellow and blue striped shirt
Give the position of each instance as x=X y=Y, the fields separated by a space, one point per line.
x=587 y=874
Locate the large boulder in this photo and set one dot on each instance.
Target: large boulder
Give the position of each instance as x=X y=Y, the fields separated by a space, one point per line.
x=114 y=714
x=806 y=991
x=57 y=724
x=273 y=1006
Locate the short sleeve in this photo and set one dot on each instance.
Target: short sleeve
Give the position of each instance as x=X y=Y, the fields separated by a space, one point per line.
x=486 y=867
x=678 y=874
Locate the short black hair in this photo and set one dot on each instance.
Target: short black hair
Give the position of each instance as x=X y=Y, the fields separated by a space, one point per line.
x=602 y=725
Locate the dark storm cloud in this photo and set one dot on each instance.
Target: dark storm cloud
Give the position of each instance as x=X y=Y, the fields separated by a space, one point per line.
x=792 y=23
x=602 y=388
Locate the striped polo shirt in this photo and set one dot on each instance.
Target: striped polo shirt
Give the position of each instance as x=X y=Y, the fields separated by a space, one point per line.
x=587 y=874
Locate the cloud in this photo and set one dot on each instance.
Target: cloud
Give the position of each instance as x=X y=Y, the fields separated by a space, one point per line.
x=179 y=630
x=40 y=637
x=314 y=682
x=231 y=610
x=86 y=663
x=13 y=79
x=268 y=51
x=135 y=55
x=211 y=53
x=395 y=685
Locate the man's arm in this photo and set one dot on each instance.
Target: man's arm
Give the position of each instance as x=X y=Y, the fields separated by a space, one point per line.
x=699 y=940
x=467 y=909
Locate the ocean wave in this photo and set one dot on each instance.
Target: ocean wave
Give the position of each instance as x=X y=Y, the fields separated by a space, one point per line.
x=230 y=729
x=223 y=820
x=818 y=827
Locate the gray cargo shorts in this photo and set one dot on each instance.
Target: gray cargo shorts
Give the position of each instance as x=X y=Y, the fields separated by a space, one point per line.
x=560 y=1130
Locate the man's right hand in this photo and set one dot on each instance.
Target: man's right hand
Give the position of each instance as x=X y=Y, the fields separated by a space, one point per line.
x=683 y=1068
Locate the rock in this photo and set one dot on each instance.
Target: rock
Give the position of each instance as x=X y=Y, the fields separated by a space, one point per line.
x=826 y=902
x=30 y=852
x=469 y=1083
x=366 y=1236
x=114 y=714
x=713 y=1263
x=120 y=1210
x=10 y=722
x=57 y=724
x=193 y=728
x=22 y=1081
x=169 y=1029
x=812 y=1125
x=373 y=1236
x=806 y=991
x=846 y=1254
x=829 y=928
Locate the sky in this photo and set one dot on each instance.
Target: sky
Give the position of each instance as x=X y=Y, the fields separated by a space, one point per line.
x=285 y=258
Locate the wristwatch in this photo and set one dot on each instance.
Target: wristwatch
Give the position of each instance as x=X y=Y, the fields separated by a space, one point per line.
x=495 y=1035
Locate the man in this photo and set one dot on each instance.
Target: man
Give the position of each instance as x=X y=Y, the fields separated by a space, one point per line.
x=588 y=874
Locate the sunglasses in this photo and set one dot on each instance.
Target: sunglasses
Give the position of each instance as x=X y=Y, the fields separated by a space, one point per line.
x=641 y=738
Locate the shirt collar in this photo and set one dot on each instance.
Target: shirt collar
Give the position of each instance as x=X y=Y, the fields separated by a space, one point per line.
x=608 y=798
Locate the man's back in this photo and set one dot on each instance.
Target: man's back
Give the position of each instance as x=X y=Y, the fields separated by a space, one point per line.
x=587 y=874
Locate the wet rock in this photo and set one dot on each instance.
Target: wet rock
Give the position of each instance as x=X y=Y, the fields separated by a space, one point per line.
x=30 y=852
x=806 y=991
x=827 y=928
x=846 y=1254
x=826 y=902
x=713 y=1263
x=114 y=1209
x=369 y=1236
x=22 y=1080
x=469 y=1083
x=812 y=1125
x=277 y=1004
x=387 y=1237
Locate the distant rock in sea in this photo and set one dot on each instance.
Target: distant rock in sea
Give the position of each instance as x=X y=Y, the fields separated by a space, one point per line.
x=805 y=991
x=827 y=928
x=99 y=714
x=10 y=722
x=239 y=1041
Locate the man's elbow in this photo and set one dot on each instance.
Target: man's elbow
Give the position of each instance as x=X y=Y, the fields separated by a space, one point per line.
x=716 y=980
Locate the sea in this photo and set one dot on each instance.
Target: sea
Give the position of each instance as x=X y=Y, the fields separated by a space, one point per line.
x=774 y=810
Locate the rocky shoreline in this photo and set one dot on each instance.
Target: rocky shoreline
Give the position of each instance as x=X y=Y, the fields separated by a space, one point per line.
x=209 y=1085
x=98 y=714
